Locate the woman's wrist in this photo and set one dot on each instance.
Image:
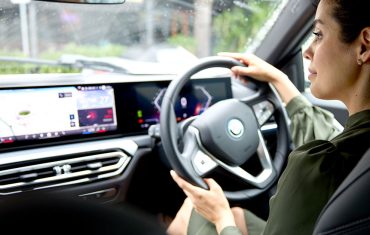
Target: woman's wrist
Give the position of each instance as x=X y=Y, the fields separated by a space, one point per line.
x=285 y=87
x=225 y=221
x=278 y=77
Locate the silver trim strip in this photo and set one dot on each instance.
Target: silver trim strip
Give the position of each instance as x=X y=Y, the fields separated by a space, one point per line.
x=84 y=180
x=260 y=181
x=126 y=145
x=112 y=146
x=269 y=127
x=62 y=162
x=97 y=192
x=116 y=168
x=264 y=177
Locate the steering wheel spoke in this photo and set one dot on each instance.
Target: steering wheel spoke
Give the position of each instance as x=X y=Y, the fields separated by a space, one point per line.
x=265 y=177
x=262 y=106
x=263 y=111
x=203 y=164
x=194 y=152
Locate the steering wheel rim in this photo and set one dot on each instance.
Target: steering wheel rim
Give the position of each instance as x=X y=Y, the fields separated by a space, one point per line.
x=184 y=167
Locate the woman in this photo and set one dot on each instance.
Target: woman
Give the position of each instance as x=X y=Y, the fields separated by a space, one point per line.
x=339 y=69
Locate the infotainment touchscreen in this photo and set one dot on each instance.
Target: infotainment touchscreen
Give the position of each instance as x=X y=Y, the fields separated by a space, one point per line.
x=46 y=113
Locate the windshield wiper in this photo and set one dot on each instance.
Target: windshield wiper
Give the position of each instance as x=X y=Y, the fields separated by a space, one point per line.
x=84 y=62
x=29 y=61
x=69 y=61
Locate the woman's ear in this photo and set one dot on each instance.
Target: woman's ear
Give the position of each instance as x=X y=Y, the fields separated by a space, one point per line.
x=364 y=55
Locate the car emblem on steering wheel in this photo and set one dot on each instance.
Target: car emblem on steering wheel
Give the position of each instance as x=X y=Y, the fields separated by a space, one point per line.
x=235 y=128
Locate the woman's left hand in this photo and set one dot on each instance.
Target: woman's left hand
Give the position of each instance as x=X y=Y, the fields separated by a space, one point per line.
x=211 y=204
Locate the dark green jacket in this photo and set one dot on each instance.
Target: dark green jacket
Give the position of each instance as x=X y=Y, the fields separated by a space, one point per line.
x=314 y=171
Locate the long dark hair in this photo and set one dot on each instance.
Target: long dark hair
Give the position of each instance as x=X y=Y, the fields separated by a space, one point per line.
x=352 y=16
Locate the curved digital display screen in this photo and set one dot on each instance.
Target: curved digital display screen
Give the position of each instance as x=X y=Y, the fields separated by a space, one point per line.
x=55 y=112
x=42 y=115
x=143 y=101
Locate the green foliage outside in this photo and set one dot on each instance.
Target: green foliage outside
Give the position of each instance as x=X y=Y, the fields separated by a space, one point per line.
x=53 y=54
x=24 y=68
x=186 y=42
x=235 y=28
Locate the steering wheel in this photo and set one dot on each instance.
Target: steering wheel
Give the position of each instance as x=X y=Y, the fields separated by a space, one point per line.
x=225 y=135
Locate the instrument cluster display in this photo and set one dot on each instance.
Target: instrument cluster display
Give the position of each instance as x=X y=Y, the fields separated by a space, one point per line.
x=194 y=99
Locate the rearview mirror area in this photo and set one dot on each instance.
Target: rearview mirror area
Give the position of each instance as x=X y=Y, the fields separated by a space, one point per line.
x=87 y=1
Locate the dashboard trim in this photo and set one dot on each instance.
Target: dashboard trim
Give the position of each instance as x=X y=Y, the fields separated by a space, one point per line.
x=127 y=145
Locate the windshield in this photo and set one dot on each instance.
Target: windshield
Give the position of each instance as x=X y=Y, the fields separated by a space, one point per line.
x=156 y=31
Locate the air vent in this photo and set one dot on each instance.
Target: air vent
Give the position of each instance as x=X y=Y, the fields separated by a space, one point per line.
x=53 y=173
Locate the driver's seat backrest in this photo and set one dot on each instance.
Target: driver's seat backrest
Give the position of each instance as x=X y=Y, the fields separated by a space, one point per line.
x=348 y=210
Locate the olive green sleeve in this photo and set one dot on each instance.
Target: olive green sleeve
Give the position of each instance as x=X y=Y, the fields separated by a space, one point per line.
x=198 y=225
x=231 y=230
x=309 y=122
x=255 y=225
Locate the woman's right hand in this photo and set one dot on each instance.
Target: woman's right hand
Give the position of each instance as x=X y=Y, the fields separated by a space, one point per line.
x=265 y=72
x=255 y=67
x=211 y=204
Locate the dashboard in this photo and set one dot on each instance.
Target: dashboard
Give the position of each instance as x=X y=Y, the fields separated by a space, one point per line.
x=42 y=115
x=89 y=135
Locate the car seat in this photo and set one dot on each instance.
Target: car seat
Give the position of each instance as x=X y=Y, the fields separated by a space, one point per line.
x=348 y=210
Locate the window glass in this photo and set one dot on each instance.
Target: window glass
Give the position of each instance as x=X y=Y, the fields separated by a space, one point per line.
x=159 y=31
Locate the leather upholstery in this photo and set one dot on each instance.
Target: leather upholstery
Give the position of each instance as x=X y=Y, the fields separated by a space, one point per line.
x=348 y=210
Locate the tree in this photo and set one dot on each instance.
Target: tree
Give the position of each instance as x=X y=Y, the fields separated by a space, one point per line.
x=236 y=26
x=202 y=26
